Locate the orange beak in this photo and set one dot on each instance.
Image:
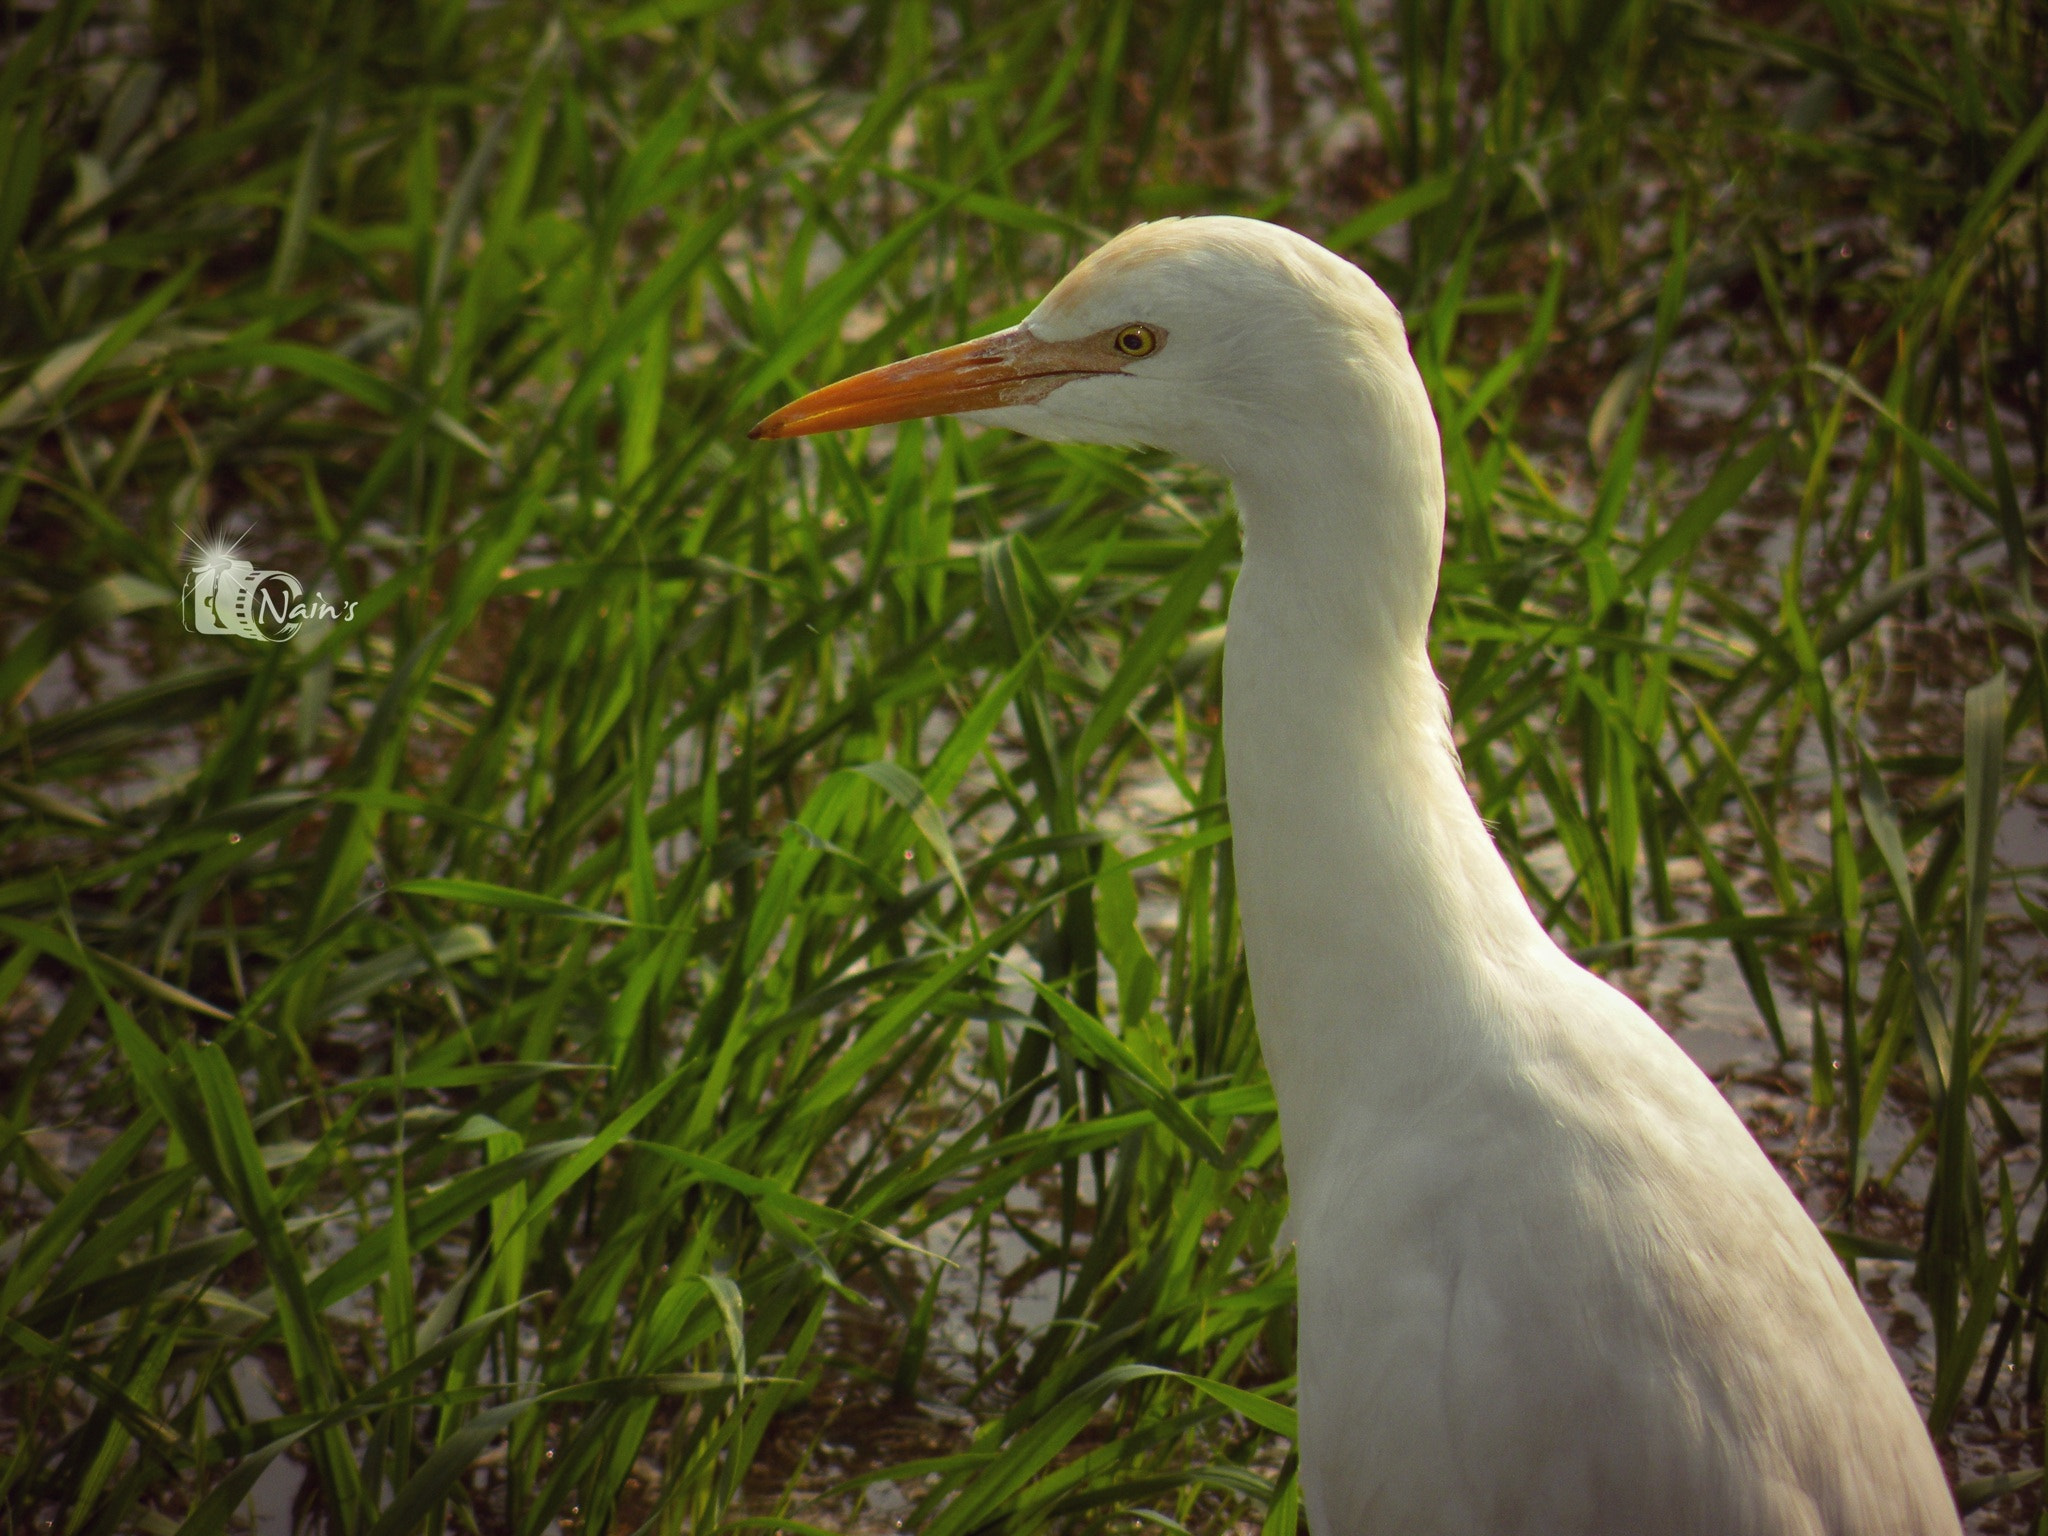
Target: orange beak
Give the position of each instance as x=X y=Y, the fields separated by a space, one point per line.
x=1012 y=367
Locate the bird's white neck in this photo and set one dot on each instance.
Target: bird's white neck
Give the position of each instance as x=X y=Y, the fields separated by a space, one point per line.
x=1380 y=921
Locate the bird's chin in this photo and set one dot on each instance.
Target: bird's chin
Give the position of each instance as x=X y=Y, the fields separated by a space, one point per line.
x=1058 y=426
x=1088 y=409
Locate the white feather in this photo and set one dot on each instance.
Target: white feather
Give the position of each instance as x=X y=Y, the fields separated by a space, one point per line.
x=1548 y=1282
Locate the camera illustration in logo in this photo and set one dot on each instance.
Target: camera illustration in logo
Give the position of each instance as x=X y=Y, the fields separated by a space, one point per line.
x=232 y=597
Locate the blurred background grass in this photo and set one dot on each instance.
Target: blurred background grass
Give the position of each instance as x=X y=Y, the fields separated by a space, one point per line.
x=712 y=1000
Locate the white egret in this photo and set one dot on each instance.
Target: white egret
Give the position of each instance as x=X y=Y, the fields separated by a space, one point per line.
x=1548 y=1282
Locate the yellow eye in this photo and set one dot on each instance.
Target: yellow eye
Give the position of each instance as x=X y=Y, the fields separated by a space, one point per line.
x=1136 y=341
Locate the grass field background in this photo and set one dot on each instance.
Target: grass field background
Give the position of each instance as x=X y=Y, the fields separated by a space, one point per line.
x=712 y=999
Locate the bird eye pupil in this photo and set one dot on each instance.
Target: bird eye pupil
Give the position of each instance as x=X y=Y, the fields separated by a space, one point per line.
x=1134 y=341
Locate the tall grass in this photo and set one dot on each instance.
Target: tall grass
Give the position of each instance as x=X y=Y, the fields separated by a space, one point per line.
x=601 y=1036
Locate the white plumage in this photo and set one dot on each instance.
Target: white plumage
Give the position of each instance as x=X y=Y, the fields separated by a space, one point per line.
x=1549 y=1284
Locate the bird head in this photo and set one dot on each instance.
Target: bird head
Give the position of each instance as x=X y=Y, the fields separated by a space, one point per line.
x=1208 y=337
